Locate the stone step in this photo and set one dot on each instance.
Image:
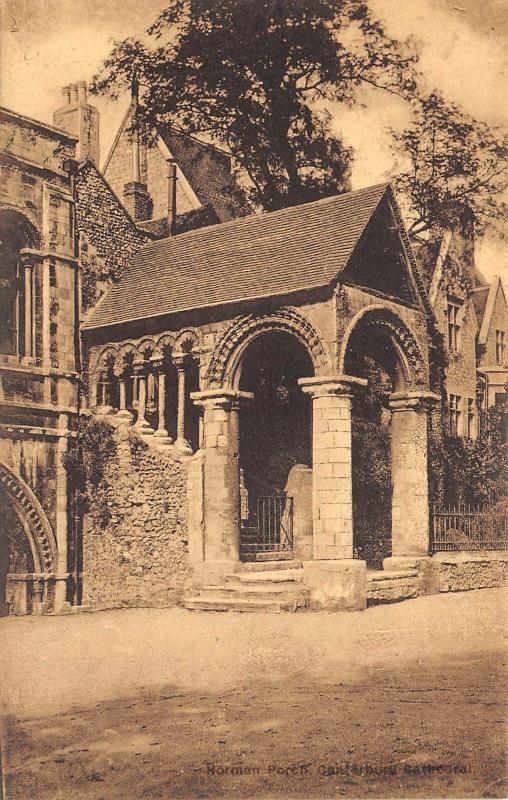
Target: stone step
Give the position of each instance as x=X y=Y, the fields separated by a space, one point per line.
x=388 y=575
x=197 y=603
x=266 y=576
x=263 y=566
x=389 y=587
x=279 y=555
x=252 y=590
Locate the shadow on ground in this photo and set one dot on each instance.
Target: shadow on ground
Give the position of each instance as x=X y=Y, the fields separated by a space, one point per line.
x=433 y=729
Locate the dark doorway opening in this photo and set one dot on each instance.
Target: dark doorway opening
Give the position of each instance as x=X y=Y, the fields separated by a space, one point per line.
x=275 y=435
x=372 y=356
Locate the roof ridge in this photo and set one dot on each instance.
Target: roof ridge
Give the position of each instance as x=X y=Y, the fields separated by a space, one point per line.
x=244 y=221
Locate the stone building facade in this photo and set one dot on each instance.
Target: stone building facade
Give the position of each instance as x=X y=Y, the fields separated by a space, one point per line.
x=38 y=361
x=223 y=364
x=305 y=283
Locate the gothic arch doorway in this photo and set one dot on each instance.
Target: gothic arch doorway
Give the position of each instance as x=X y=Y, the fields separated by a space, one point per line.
x=275 y=442
x=27 y=549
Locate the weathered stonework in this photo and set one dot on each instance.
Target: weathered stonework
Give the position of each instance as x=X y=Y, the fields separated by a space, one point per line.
x=108 y=236
x=135 y=536
x=459 y=572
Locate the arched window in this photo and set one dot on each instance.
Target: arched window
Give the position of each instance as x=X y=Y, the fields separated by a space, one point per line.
x=16 y=233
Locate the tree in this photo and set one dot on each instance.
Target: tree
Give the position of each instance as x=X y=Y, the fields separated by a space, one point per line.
x=256 y=76
x=457 y=164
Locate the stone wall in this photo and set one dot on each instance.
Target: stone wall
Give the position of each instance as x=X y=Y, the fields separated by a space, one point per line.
x=459 y=572
x=498 y=322
x=135 y=548
x=108 y=236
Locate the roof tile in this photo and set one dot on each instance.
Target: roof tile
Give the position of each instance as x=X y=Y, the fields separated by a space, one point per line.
x=301 y=247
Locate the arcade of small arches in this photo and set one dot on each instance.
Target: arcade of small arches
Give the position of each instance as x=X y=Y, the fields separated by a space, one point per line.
x=148 y=383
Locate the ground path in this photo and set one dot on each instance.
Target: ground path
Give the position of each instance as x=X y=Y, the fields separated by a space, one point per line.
x=401 y=700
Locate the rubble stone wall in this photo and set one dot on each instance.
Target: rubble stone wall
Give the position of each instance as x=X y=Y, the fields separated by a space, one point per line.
x=135 y=545
x=459 y=572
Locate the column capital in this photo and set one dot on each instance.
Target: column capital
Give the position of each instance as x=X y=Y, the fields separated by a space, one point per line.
x=324 y=385
x=140 y=368
x=412 y=401
x=219 y=398
x=157 y=362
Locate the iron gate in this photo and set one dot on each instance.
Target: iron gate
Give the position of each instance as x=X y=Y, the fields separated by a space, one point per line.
x=270 y=526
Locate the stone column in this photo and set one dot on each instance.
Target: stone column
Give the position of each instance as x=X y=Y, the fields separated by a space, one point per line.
x=335 y=579
x=331 y=464
x=142 y=423
x=28 y=311
x=410 y=496
x=123 y=412
x=181 y=442
x=46 y=315
x=103 y=407
x=161 y=431
x=62 y=517
x=221 y=478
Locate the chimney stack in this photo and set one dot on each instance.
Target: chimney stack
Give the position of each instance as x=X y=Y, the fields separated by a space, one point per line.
x=171 y=196
x=80 y=119
x=136 y=197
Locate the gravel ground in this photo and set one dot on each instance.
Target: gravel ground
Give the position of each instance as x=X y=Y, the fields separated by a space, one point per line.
x=405 y=700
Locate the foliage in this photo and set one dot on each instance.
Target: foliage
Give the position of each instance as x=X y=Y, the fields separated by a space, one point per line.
x=457 y=165
x=256 y=75
x=87 y=464
x=475 y=470
x=372 y=490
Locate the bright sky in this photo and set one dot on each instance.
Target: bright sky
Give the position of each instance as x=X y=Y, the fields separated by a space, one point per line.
x=46 y=44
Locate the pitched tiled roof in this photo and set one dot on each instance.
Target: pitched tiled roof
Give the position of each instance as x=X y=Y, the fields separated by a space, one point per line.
x=208 y=171
x=479 y=297
x=302 y=247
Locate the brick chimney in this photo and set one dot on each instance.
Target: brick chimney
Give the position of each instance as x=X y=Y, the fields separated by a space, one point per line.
x=80 y=119
x=136 y=197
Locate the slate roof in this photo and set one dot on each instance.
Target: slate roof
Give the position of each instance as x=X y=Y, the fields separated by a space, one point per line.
x=479 y=297
x=297 y=248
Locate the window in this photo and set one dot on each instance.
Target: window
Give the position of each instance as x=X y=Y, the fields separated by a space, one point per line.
x=454 y=411
x=452 y=315
x=500 y=348
x=470 y=412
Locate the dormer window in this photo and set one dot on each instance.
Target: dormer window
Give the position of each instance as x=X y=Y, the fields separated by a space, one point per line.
x=452 y=316
x=500 y=348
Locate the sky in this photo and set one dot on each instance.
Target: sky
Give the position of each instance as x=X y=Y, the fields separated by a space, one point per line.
x=463 y=45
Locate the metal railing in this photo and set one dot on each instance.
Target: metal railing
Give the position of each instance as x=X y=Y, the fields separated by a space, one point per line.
x=270 y=526
x=466 y=528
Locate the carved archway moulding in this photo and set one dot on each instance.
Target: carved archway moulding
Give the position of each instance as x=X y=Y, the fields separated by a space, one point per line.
x=385 y=320
x=33 y=235
x=223 y=367
x=33 y=518
x=186 y=341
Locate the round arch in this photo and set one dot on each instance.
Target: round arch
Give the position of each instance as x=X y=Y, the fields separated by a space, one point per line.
x=225 y=365
x=379 y=318
x=34 y=520
x=17 y=217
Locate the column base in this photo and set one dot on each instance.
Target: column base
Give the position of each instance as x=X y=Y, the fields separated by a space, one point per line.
x=124 y=415
x=339 y=585
x=421 y=563
x=161 y=433
x=144 y=428
x=183 y=446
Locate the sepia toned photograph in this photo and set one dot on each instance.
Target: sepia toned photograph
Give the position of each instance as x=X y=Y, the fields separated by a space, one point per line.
x=253 y=399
